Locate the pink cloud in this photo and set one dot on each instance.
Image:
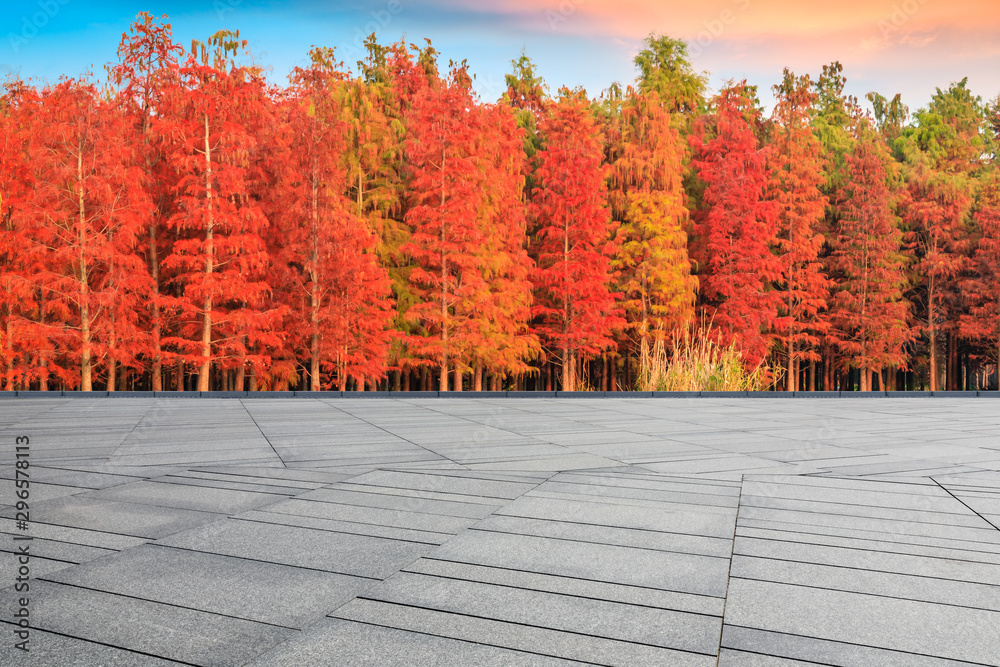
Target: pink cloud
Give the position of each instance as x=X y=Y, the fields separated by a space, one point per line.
x=916 y=44
x=635 y=18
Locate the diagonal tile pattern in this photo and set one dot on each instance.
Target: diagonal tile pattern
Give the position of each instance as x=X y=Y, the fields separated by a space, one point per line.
x=508 y=531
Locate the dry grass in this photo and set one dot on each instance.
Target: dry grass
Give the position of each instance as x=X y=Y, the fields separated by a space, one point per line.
x=698 y=364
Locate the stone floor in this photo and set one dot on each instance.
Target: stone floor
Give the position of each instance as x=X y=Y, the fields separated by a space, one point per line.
x=693 y=532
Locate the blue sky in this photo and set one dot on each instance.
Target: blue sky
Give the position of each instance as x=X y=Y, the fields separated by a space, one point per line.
x=907 y=46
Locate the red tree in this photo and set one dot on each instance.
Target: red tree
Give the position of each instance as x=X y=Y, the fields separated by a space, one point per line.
x=935 y=210
x=446 y=239
x=739 y=224
x=147 y=68
x=797 y=177
x=982 y=288
x=501 y=341
x=339 y=294
x=575 y=308
x=868 y=311
x=213 y=121
x=25 y=349
x=88 y=212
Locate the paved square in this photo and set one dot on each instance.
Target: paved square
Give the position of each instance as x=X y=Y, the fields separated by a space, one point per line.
x=505 y=531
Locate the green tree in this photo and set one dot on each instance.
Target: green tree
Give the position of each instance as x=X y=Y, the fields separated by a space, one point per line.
x=665 y=68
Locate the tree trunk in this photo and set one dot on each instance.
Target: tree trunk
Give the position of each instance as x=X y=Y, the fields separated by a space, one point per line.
x=953 y=365
x=458 y=379
x=444 y=299
x=86 y=371
x=314 y=298
x=828 y=383
x=157 y=368
x=314 y=363
x=156 y=371
x=567 y=363
x=812 y=375
x=477 y=380
x=574 y=371
x=206 y=327
x=8 y=341
x=790 y=382
x=111 y=373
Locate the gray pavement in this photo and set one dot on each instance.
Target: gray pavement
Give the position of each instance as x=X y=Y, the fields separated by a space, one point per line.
x=504 y=531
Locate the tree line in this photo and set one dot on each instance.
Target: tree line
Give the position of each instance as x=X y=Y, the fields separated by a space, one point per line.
x=186 y=225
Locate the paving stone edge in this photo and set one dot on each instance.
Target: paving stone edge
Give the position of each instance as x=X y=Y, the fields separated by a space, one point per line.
x=499 y=394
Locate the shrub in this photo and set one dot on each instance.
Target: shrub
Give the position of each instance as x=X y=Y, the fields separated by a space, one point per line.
x=698 y=363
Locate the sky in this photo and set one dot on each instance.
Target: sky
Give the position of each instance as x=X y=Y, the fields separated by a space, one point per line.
x=888 y=46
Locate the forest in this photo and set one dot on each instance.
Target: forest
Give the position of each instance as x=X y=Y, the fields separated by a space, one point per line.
x=183 y=224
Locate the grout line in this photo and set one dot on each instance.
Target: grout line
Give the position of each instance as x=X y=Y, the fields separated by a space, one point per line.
x=438 y=457
x=159 y=602
x=177 y=661
x=457 y=639
x=967 y=506
x=837 y=642
x=262 y=434
x=493 y=619
x=729 y=575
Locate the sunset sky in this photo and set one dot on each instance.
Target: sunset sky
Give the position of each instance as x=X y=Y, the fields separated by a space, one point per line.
x=890 y=46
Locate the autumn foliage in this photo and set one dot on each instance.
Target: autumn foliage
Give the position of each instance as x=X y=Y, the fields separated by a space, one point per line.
x=868 y=312
x=738 y=225
x=572 y=245
x=795 y=187
x=190 y=224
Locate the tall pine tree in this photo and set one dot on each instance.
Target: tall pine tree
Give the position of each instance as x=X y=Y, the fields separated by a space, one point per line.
x=213 y=122
x=575 y=308
x=869 y=315
x=738 y=226
x=795 y=187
